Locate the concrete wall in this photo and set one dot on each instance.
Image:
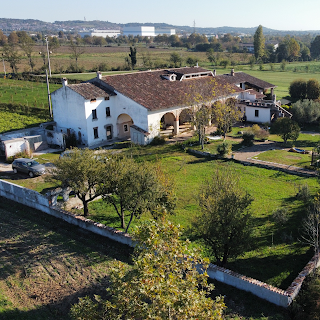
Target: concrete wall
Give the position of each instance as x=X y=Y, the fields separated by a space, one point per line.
x=37 y=201
x=267 y=292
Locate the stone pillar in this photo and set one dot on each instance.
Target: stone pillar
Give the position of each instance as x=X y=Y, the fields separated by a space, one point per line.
x=176 y=126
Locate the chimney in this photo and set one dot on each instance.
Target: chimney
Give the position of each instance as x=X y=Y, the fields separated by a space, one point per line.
x=214 y=72
x=64 y=82
x=99 y=75
x=232 y=72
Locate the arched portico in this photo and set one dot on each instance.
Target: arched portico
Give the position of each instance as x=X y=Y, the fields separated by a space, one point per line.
x=124 y=122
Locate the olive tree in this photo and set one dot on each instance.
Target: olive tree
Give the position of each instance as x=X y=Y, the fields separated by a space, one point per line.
x=168 y=280
x=224 y=220
x=81 y=171
x=134 y=188
x=286 y=128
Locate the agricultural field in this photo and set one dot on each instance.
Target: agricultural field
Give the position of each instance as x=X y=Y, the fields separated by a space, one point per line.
x=46 y=264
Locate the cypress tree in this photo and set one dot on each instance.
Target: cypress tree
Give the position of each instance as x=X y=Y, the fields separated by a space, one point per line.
x=259 y=43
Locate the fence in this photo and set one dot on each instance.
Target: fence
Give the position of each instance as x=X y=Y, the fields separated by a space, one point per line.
x=267 y=292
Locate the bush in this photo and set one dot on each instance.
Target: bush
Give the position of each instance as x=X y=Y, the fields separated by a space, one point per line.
x=248 y=138
x=281 y=216
x=303 y=193
x=158 y=141
x=259 y=133
x=224 y=148
x=22 y=154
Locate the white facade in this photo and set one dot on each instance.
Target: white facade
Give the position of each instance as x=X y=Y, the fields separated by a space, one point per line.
x=258 y=115
x=100 y=33
x=139 y=31
x=99 y=120
x=169 y=32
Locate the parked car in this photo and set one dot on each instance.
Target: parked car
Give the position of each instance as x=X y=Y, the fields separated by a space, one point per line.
x=28 y=166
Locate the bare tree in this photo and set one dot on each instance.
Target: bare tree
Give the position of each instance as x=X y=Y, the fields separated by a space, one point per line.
x=311 y=226
x=76 y=51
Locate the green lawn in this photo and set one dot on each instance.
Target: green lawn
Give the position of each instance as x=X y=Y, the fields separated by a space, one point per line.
x=282 y=260
x=285 y=157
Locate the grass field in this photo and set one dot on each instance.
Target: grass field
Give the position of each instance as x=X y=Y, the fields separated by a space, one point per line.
x=270 y=189
x=46 y=264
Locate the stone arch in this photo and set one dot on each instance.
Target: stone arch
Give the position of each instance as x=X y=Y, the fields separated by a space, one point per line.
x=167 y=120
x=184 y=116
x=124 y=121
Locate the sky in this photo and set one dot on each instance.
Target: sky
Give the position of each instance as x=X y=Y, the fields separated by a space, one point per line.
x=274 y=14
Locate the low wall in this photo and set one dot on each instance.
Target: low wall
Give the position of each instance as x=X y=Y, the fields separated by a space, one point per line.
x=267 y=292
x=37 y=201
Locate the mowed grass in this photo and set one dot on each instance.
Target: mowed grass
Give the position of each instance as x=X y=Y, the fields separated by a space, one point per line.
x=285 y=157
x=276 y=255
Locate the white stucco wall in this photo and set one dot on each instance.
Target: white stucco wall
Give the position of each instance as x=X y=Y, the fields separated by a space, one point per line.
x=68 y=111
x=264 y=114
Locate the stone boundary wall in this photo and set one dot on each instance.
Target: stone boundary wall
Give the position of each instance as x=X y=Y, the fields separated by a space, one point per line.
x=267 y=292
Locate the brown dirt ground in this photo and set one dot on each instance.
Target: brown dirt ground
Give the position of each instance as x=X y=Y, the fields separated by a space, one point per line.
x=45 y=263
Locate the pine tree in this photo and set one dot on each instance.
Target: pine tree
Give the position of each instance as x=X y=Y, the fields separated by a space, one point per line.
x=259 y=43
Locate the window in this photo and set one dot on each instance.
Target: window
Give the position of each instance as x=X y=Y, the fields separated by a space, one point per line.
x=109 y=132
x=125 y=128
x=94 y=114
x=106 y=98
x=107 y=111
x=256 y=113
x=95 y=133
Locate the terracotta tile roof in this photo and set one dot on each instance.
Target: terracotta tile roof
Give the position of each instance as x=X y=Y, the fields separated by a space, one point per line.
x=152 y=91
x=90 y=90
x=240 y=77
x=258 y=94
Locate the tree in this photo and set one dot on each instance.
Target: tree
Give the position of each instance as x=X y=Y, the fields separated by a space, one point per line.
x=311 y=226
x=163 y=283
x=305 y=111
x=133 y=57
x=76 y=51
x=315 y=48
x=225 y=115
x=3 y=38
x=11 y=55
x=286 y=129
x=176 y=59
x=136 y=188
x=81 y=171
x=224 y=220
x=211 y=56
x=294 y=49
x=258 y=43
x=27 y=44
x=13 y=38
x=313 y=89
x=298 y=89
x=200 y=118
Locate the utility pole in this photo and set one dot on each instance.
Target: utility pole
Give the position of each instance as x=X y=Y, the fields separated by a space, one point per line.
x=4 y=67
x=46 y=38
x=49 y=96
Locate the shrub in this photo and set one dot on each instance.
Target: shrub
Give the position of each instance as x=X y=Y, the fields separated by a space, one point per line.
x=303 y=193
x=158 y=141
x=22 y=154
x=259 y=133
x=247 y=138
x=224 y=148
x=280 y=216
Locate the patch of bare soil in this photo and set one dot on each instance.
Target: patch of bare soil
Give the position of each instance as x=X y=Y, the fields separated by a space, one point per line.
x=45 y=263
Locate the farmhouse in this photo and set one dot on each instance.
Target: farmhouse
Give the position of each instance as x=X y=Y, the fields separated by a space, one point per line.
x=137 y=105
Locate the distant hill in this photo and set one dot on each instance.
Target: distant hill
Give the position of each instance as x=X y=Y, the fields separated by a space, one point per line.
x=8 y=25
